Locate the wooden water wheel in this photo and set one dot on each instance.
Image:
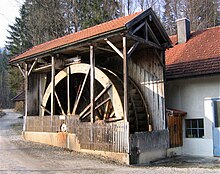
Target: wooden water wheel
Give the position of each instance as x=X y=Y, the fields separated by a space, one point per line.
x=108 y=101
x=108 y=97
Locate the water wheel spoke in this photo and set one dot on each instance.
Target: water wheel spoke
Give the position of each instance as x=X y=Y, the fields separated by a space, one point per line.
x=58 y=101
x=98 y=96
x=112 y=114
x=44 y=108
x=106 y=109
x=98 y=106
x=80 y=93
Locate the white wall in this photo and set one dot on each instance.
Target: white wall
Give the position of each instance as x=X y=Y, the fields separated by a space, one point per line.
x=189 y=95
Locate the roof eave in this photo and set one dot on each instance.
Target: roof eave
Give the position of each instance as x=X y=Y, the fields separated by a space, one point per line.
x=51 y=51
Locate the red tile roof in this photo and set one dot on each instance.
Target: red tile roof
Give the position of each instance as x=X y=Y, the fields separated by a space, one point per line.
x=200 y=55
x=78 y=36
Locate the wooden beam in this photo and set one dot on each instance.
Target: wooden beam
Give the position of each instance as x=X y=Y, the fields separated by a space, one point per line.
x=98 y=106
x=44 y=108
x=42 y=68
x=143 y=41
x=68 y=90
x=131 y=50
x=80 y=93
x=138 y=28
x=114 y=48
x=125 y=77
x=53 y=85
x=32 y=66
x=42 y=85
x=159 y=57
x=58 y=101
x=106 y=49
x=92 y=82
x=146 y=30
x=26 y=98
x=152 y=34
x=21 y=70
x=97 y=97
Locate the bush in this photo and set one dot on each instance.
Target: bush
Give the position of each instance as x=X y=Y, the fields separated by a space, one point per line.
x=19 y=107
x=1 y=113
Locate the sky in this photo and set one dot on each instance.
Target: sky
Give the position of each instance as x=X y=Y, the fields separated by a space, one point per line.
x=9 y=9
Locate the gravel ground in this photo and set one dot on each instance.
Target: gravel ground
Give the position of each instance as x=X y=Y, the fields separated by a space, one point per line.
x=18 y=156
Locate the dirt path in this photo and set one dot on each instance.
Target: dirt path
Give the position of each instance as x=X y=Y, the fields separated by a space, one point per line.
x=18 y=156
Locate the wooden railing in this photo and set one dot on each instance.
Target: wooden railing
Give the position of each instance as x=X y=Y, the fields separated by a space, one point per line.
x=112 y=137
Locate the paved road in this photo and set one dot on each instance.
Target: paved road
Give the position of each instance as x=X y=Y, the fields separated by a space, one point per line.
x=19 y=157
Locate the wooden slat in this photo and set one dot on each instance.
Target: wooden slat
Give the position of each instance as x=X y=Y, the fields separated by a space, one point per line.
x=110 y=137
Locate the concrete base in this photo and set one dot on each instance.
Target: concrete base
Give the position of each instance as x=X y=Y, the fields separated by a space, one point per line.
x=175 y=151
x=149 y=156
x=70 y=141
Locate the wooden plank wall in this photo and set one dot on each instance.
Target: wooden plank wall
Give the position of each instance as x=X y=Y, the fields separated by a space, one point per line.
x=33 y=101
x=147 y=72
x=102 y=136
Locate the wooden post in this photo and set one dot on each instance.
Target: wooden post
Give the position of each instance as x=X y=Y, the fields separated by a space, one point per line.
x=68 y=91
x=52 y=89
x=26 y=98
x=92 y=80
x=125 y=77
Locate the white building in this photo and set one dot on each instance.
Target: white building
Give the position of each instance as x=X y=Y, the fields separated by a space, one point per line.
x=193 y=86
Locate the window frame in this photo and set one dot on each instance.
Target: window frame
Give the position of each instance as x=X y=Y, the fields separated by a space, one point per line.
x=194 y=129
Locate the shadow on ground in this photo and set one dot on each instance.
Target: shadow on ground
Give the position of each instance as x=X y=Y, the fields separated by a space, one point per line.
x=189 y=161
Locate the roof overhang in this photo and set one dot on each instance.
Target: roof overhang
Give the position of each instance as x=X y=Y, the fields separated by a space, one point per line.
x=147 y=15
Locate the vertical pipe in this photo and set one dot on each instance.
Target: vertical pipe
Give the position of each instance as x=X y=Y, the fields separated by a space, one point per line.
x=68 y=91
x=92 y=77
x=26 y=98
x=52 y=89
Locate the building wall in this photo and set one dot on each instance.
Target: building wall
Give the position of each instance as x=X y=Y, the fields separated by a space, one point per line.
x=189 y=95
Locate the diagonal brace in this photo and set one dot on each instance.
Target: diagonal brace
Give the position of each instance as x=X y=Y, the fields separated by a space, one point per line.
x=22 y=71
x=114 y=48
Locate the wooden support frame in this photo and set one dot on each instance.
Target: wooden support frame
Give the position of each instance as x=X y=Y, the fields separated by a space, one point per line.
x=143 y=41
x=97 y=97
x=105 y=49
x=114 y=48
x=21 y=70
x=32 y=66
x=131 y=50
x=152 y=34
x=53 y=85
x=26 y=97
x=92 y=83
x=42 y=68
x=80 y=93
x=125 y=77
x=68 y=91
x=159 y=57
x=138 y=28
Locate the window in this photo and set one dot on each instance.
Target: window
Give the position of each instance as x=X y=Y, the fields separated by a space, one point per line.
x=194 y=128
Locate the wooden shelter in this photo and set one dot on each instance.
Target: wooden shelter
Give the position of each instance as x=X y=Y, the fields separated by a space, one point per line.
x=105 y=84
